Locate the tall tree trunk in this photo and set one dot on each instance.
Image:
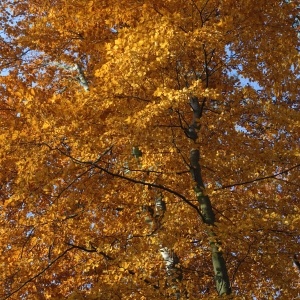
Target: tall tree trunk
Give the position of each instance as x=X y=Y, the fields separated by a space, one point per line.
x=208 y=216
x=169 y=256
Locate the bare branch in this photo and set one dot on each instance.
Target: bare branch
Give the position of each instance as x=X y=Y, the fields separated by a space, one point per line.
x=258 y=179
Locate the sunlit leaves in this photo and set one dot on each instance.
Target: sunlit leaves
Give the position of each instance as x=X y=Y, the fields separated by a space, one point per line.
x=74 y=198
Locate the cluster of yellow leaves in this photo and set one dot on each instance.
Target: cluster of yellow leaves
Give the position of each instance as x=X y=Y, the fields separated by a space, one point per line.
x=73 y=197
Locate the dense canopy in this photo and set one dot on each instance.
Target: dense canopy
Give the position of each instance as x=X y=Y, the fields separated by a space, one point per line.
x=149 y=149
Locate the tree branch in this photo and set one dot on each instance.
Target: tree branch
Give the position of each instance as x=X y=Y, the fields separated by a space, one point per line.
x=91 y=250
x=258 y=179
x=151 y=185
x=38 y=274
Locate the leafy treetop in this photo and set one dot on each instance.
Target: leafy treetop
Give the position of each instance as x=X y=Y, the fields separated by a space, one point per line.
x=150 y=149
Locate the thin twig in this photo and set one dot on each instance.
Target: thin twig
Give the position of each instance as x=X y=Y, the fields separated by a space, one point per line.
x=258 y=179
x=38 y=274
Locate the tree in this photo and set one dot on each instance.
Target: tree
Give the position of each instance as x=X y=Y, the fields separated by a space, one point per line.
x=150 y=149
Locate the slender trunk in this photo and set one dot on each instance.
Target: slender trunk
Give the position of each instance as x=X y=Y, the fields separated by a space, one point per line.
x=208 y=216
x=220 y=270
x=174 y=273
x=169 y=256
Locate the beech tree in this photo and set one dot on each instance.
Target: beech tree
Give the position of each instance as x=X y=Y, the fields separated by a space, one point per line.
x=149 y=149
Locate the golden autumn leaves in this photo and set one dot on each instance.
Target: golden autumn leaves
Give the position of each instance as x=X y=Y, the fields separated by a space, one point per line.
x=66 y=157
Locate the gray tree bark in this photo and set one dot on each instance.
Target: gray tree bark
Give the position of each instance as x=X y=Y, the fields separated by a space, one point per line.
x=208 y=216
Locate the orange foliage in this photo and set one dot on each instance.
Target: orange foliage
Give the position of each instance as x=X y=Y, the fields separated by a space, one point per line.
x=83 y=82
